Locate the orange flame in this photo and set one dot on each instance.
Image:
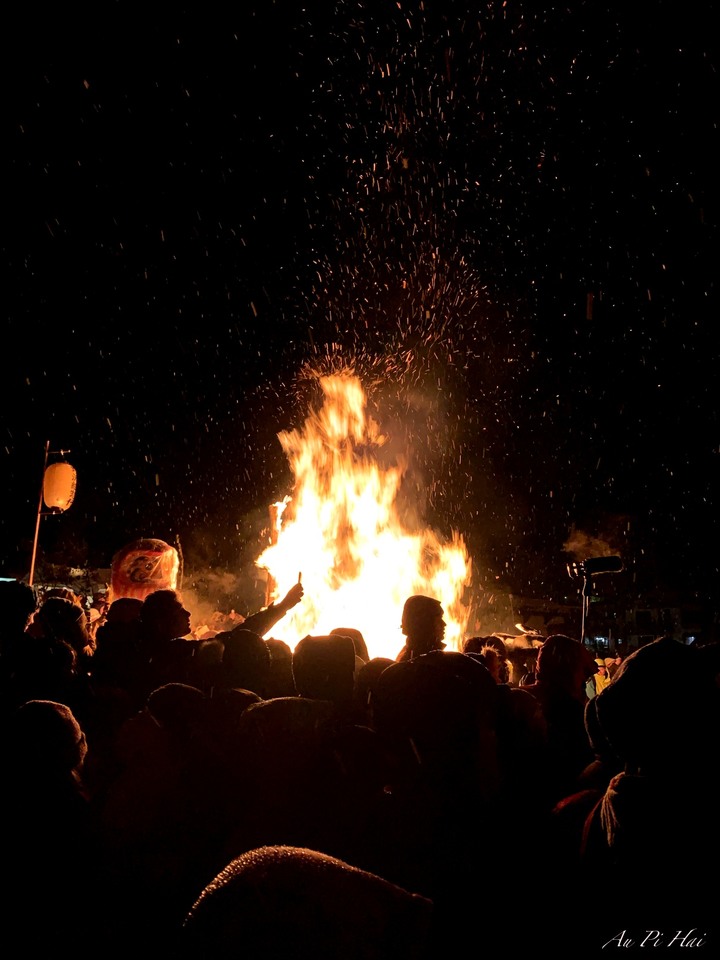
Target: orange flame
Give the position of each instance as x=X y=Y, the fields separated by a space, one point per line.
x=342 y=531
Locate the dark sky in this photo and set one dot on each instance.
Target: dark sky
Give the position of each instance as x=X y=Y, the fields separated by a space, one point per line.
x=502 y=216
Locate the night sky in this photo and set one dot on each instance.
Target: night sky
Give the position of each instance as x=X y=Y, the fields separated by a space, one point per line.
x=503 y=217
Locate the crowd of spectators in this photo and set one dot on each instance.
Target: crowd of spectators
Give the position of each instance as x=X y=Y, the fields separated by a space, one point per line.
x=228 y=795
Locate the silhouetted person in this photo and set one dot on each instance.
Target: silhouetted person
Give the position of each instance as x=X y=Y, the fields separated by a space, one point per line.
x=280 y=681
x=477 y=644
x=358 y=640
x=365 y=680
x=166 y=645
x=46 y=665
x=296 y=903
x=52 y=868
x=157 y=816
x=207 y=670
x=245 y=661
x=117 y=644
x=324 y=669
x=18 y=603
x=563 y=667
x=491 y=652
x=169 y=649
x=657 y=822
x=264 y=620
x=163 y=618
x=437 y=713
x=58 y=618
x=297 y=780
x=423 y=624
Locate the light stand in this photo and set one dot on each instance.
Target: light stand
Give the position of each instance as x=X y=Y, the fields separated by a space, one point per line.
x=587 y=589
x=587 y=569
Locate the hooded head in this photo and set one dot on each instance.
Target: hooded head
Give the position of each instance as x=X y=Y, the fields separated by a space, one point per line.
x=564 y=664
x=245 y=659
x=292 y=902
x=324 y=667
x=47 y=738
x=662 y=709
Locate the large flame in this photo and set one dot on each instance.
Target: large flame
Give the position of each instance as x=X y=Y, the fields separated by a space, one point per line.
x=341 y=531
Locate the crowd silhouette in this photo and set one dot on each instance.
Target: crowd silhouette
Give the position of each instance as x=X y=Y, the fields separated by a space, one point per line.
x=231 y=796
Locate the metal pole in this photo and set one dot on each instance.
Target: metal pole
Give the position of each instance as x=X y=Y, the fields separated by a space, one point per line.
x=39 y=514
x=586 y=591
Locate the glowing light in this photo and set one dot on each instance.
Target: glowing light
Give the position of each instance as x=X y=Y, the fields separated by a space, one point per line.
x=59 y=484
x=341 y=528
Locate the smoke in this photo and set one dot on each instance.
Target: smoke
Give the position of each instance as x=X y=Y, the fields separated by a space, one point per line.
x=581 y=545
x=208 y=593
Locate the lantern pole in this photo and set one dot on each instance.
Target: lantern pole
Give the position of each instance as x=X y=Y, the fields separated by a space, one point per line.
x=39 y=514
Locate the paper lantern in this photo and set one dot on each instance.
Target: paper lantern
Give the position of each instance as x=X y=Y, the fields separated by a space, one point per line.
x=142 y=567
x=59 y=486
